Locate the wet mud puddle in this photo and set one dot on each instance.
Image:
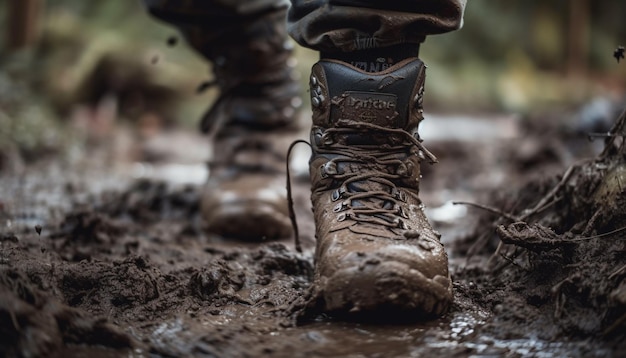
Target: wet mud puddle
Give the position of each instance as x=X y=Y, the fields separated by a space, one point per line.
x=416 y=340
x=457 y=334
x=326 y=338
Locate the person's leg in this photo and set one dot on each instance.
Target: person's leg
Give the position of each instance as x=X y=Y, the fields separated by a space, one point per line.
x=375 y=248
x=352 y=25
x=247 y=43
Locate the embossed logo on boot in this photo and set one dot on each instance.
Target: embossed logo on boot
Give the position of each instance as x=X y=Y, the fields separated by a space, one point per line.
x=375 y=108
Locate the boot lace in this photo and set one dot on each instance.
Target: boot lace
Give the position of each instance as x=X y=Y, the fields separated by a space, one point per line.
x=366 y=191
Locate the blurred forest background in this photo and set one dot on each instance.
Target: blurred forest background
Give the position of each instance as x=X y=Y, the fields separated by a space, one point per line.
x=92 y=63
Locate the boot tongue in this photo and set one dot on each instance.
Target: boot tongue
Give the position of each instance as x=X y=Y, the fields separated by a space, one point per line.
x=369 y=107
x=370 y=186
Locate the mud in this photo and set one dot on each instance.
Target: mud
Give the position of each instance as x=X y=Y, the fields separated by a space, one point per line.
x=96 y=262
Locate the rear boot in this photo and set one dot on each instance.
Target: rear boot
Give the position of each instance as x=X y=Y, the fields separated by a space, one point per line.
x=251 y=124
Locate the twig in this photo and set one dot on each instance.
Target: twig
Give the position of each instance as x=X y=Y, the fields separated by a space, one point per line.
x=618 y=272
x=592 y=222
x=488 y=208
x=543 y=208
x=14 y=321
x=615 y=324
x=508 y=260
x=495 y=254
x=511 y=260
x=560 y=297
x=616 y=132
x=552 y=193
x=599 y=235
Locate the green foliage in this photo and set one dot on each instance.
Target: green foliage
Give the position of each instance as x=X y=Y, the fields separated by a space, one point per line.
x=511 y=55
x=517 y=55
x=28 y=127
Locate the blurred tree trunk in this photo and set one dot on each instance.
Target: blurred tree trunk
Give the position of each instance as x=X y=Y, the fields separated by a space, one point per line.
x=578 y=39
x=23 y=23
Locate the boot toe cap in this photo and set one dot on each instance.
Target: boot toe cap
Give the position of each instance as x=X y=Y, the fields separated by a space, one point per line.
x=387 y=289
x=252 y=215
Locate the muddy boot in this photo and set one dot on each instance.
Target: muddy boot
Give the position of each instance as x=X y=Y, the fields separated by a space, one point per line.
x=245 y=196
x=250 y=124
x=376 y=252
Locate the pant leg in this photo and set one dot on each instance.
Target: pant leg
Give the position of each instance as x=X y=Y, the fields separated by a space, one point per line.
x=203 y=22
x=201 y=11
x=246 y=40
x=350 y=25
x=247 y=43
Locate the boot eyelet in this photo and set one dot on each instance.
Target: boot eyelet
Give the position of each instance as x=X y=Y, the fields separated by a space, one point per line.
x=402 y=213
x=341 y=217
x=416 y=135
x=338 y=207
x=409 y=169
x=419 y=98
x=330 y=168
x=315 y=102
x=327 y=139
x=400 y=196
x=323 y=173
x=317 y=137
x=402 y=170
x=338 y=194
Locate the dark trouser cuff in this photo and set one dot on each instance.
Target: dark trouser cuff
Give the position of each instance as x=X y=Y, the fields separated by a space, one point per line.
x=375 y=59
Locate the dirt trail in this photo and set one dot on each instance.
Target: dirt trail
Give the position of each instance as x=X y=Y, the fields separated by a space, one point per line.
x=122 y=266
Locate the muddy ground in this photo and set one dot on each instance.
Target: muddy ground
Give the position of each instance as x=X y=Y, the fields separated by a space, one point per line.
x=105 y=255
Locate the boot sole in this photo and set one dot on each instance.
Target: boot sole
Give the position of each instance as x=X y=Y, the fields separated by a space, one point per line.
x=386 y=291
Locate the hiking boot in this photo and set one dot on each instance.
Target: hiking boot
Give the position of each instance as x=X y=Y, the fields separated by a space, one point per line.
x=251 y=124
x=376 y=251
x=245 y=197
